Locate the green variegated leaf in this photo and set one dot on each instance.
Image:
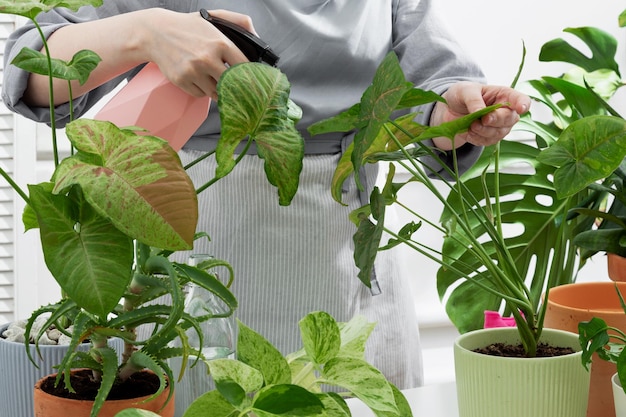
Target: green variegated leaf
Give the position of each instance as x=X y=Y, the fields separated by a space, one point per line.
x=334 y=405
x=354 y=335
x=255 y=351
x=287 y=400
x=320 y=336
x=31 y=8
x=135 y=181
x=254 y=103
x=363 y=380
x=213 y=401
x=235 y=379
x=136 y=412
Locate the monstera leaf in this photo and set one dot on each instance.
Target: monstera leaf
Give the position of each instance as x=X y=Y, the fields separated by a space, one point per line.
x=534 y=228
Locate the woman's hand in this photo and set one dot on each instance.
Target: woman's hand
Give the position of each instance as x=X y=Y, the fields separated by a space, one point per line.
x=191 y=52
x=465 y=97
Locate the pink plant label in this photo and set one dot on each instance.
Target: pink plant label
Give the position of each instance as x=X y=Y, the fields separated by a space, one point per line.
x=151 y=102
x=494 y=319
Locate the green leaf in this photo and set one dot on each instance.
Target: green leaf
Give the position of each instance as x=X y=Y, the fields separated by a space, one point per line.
x=286 y=400
x=334 y=405
x=255 y=351
x=30 y=9
x=79 y=68
x=254 y=102
x=367 y=238
x=588 y=150
x=602 y=44
x=135 y=181
x=108 y=358
x=377 y=104
x=320 y=336
x=136 y=412
x=456 y=126
x=235 y=379
x=363 y=380
x=93 y=274
x=354 y=335
x=213 y=401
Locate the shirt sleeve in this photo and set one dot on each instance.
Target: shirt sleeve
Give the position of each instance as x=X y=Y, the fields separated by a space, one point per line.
x=15 y=79
x=432 y=60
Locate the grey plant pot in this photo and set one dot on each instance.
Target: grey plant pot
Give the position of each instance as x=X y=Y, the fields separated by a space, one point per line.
x=18 y=374
x=492 y=386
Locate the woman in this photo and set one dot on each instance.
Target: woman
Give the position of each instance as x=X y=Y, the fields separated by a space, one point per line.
x=288 y=260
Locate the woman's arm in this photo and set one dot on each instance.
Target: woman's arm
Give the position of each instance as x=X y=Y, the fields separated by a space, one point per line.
x=188 y=50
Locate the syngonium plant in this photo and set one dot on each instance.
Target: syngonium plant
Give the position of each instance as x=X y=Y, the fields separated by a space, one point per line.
x=122 y=203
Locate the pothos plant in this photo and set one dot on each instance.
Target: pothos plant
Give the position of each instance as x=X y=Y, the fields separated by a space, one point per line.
x=108 y=223
x=261 y=382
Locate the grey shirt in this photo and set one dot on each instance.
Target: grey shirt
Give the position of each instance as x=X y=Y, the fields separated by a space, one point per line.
x=329 y=51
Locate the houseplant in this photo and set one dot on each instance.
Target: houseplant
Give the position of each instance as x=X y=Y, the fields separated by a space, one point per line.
x=588 y=151
x=262 y=382
x=476 y=249
x=606 y=341
x=106 y=238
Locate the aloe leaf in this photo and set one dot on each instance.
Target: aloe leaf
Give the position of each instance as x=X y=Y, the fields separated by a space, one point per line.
x=135 y=181
x=108 y=359
x=256 y=105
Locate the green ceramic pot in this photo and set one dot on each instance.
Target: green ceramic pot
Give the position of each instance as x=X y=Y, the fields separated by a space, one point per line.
x=492 y=386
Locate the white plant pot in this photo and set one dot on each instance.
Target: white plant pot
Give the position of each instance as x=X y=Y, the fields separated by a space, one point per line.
x=493 y=386
x=619 y=397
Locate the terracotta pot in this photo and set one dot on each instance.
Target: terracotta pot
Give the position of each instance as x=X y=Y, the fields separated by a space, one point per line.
x=48 y=405
x=616 y=266
x=570 y=304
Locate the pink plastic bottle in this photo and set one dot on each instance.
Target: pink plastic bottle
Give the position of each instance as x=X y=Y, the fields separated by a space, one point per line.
x=152 y=102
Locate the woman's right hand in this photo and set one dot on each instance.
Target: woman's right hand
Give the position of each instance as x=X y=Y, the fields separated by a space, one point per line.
x=191 y=52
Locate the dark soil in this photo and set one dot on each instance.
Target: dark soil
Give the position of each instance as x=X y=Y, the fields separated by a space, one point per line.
x=517 y=351
x=139 y=385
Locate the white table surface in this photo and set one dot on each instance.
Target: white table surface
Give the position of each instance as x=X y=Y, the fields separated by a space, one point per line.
x=436 y=400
